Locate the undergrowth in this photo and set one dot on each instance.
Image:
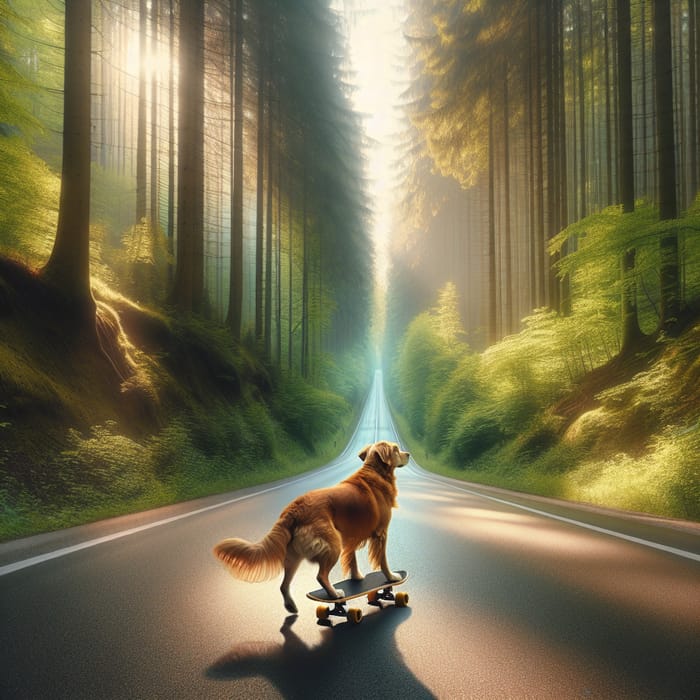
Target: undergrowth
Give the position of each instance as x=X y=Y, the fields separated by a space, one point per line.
x=159 y=410
x=554 y=410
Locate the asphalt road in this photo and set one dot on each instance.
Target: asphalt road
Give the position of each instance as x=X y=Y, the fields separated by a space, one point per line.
x=510 y=597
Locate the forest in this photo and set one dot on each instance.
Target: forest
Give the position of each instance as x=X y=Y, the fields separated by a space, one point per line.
x=184 y=284
x=550 y=213
x=192 y=293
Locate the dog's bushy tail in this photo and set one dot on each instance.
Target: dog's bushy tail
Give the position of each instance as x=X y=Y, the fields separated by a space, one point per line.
x=256 y=561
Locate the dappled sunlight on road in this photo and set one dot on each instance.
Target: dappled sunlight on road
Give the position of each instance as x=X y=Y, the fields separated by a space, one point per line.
x=586 y=563
x=489 y=653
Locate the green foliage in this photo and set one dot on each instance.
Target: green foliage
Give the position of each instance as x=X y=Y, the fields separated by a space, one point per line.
x=491 y=417
x=598 y=242
x=28 y=201
x=347 y=375
x=463 y=403
x=429 y=352
x=476 y=432
x=104 y=465
x=308 y=413
x=664 y=481
x=453 y=398
x=419 y=351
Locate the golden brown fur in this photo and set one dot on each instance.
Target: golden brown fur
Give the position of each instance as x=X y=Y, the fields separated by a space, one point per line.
x=326 y=524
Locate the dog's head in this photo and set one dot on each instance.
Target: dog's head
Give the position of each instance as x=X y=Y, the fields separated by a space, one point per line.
x=384 y=456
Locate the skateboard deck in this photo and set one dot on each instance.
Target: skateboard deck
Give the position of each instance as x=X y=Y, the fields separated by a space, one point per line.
x=374 y=585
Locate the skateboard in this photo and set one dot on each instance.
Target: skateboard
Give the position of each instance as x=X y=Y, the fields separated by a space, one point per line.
x=373 y=585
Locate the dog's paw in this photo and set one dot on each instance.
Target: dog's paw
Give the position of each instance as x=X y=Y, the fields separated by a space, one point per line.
x=393 y=577
x=339 y=592
x=358 y=576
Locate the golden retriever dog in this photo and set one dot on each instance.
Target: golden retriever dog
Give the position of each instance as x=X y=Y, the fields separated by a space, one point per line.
x=324 y=524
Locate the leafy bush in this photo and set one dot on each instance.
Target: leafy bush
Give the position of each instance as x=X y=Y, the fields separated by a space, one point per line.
x=103 y=466
x=665 y=481
x=476 y=432
x=414 y=369
x=462 y=389
x=309 y=414
x=542 y=434
x=348 y=374
x=28 y=201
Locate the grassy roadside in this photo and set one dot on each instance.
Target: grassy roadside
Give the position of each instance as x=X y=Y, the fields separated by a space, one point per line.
x=154 y=410
x=196 y=477
x=662 y=483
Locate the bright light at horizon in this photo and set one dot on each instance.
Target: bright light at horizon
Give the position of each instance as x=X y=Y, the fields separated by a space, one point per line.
x=376 y=38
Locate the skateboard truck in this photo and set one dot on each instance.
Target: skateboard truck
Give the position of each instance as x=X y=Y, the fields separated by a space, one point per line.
x=323 y=612
x=376 y=597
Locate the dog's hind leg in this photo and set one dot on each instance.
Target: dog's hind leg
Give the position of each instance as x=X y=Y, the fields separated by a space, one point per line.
x=326 y=561
x=323 y=571
x=291 y=564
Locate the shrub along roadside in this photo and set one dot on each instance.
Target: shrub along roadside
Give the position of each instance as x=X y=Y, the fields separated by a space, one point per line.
x=189 y=413
x=106 y=473
x=624 y=436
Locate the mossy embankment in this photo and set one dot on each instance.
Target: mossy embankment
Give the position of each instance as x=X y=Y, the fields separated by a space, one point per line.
x=149 y=409
x=624 y=433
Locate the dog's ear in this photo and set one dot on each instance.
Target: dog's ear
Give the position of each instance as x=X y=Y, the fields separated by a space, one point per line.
x=383 y=451
x=364 y=452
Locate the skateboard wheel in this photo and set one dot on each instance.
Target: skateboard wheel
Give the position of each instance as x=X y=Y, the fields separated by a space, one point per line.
x=401 y=599
x=354 y=615
x=322 y=612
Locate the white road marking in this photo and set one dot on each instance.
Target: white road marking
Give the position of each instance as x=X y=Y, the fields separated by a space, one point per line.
x=39 y=559
x=570 y=521
x=55 y=554
x=48 y=556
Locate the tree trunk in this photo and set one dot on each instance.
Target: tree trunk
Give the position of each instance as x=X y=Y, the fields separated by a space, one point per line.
x=624 y=96
x=260 y=188
x=492 y=297
x=235 y=304
x=609 y=131
x=532 y=184
x=268 y=228
x=68 y=267
x=304 y=358
x=668 y=205
x=539 y=164
x=630 y=322
x=563 y=283
x=583 y=184
x=552 y=120
x=171 y=139
x=290 y=279
x=154 y=205
x=188 y=286
x=693 y=96
x=141 y=119
x=508 y=302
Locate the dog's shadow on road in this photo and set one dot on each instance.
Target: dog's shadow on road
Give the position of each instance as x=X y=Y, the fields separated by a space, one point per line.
x=352 y=660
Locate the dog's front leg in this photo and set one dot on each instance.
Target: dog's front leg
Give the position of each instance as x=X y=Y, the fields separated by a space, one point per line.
x=378 y=554
x=355 y=572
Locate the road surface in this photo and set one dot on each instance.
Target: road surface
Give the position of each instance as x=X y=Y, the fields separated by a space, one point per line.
x=510 y=597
